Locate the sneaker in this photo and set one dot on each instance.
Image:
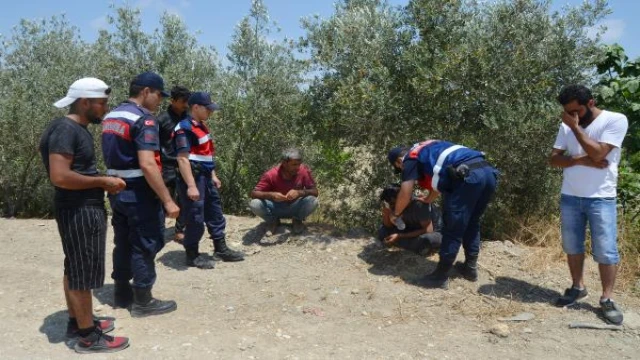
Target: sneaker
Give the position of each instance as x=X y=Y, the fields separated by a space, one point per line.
x=103 y=323
x=611 y=312
x=571 y=296
x=99 y=342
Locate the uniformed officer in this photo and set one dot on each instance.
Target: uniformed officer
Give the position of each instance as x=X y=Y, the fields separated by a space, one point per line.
x=198 y=184
x=467 y=182
x=131 y=148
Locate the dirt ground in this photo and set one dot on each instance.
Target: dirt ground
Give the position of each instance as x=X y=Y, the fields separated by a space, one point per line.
x=319 y=295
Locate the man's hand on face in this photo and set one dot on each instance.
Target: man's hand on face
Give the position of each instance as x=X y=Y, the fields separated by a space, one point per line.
x=570 y=119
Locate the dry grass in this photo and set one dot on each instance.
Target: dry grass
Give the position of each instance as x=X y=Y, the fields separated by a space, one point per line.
x=544 y=235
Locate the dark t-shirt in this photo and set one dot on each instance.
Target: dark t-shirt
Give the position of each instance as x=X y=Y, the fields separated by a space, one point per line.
x=67 y=137
x=418 y=211
x=168 y=120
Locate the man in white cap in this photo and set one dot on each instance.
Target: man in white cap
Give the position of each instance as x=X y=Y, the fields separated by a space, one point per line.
x=68 y=154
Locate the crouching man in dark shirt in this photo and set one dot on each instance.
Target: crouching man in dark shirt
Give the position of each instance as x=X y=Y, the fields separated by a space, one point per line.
x=422 y=233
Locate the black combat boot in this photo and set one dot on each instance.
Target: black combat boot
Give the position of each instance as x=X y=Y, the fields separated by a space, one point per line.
x=122 y=294
x=194 y=258
x=144 y=304
x=222 y=252
x=468 y=269
x=439 y=278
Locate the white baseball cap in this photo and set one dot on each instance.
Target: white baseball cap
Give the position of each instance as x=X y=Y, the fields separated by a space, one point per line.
x=85 y=88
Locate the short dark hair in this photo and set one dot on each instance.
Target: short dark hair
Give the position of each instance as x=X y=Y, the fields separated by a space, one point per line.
x=180 y=93
x=575 y=92
x=135 y=90
x=390 y=193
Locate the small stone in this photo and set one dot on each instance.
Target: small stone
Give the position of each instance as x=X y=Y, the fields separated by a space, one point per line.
x=364 y=313
x=98 y=308
x=501 y=330
x=230 y=309
x=527 y=331
x=525 y=316
x=187 y=344
x=355 y=291
x=156 y=348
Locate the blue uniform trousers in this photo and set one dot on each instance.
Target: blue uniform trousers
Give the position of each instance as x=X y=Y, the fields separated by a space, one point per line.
x=462 y=208
x=207 y=210
x=138 y=226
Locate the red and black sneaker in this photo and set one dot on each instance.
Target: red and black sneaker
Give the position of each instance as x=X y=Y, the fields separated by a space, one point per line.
x=99 y=342
x=105 y=324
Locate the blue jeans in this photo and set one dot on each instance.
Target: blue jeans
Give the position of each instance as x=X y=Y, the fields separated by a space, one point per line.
x=138 y=227
x=207 y=210
x=462 y=208
x=602 y=215
x=271 y=211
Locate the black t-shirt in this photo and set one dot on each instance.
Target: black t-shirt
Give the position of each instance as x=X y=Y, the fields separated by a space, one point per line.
x=417 y=211
x=67 y=137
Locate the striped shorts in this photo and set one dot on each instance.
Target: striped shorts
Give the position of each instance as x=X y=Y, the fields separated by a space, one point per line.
x=84 y=233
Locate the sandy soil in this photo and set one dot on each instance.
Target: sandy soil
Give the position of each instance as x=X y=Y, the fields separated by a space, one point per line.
x=319 y=295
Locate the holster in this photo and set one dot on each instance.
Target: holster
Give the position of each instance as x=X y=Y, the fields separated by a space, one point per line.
x=461 y=171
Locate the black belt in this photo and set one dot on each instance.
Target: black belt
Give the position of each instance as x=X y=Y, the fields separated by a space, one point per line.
x=462 y=170
x=472 y=165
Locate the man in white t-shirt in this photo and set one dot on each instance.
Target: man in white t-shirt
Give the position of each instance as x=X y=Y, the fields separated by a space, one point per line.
x=588 y=149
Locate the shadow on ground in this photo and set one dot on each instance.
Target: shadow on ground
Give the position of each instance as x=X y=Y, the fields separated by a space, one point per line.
x=314 y=233
x=519 y=290
x=175 y=259
x=54 y=326
x=396 y=262
x=105 y=294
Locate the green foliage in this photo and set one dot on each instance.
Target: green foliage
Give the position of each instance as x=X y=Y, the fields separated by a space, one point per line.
x=37 y=63
x=482 y=74
x=619 y=90
x=369 y=77
x=263 y=107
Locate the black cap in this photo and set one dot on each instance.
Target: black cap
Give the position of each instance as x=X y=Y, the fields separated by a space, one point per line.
x=152 y=80
x=393 y=156
x=204 y=99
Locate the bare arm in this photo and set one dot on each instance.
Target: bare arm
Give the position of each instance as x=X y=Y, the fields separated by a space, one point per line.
x=558 y=159
x=185 y=169
x=152 y=174
x=404 y=197
x=268 y=195
x=596 y=151
x=63 y=177
x=184 y=165
x=386 y=217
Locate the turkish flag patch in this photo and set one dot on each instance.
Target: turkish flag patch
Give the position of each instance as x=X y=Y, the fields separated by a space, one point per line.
x=148 y=123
